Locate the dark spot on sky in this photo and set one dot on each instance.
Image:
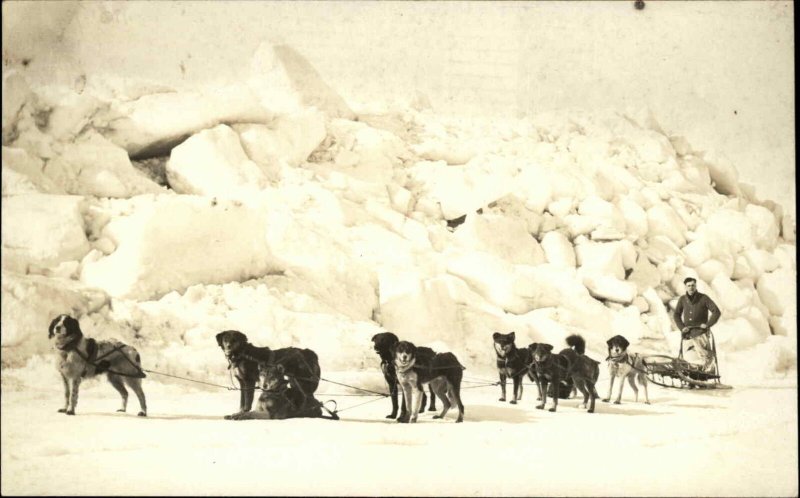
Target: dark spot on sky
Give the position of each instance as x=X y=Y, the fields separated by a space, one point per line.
x=25 y=62
x=736 y=112
x=639 y=4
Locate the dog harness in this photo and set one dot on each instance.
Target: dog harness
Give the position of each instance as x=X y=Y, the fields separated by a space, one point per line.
x=626 y=358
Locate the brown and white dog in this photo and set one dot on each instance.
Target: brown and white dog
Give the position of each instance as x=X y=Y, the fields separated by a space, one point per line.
x=623 y=365
x=442 y=372
x=81 y=357
x=383 y=343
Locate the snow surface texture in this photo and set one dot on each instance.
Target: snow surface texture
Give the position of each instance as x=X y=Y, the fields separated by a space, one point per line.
x=282 y=216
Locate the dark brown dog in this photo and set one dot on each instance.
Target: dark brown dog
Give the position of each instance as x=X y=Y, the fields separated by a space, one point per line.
x=243 y=357
x=623 y=365
x=81 y=357
x=569 y=363
x=511 y=362
x=383 y=344
x=280 y=397
x=442 y=372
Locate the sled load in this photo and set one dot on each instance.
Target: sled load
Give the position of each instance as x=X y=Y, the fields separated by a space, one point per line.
x=678 y=373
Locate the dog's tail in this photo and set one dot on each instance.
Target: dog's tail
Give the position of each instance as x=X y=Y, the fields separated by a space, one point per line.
x=577 y=343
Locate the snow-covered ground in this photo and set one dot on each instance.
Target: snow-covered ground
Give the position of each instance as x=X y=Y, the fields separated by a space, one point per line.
x=161 y=216
x=740 y=442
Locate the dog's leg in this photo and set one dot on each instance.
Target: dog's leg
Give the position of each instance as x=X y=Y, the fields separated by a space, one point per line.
x=590 y=384
x=502 y=386
x=517 y=389
x=136 y=385
x=619 y=394
x=432 y=407
x=556 y=385
x=456 y=392
x=251 y=415
x=417 y=393
x=543 y=390
x=403 y=407
x=632 y=382
x=643 y=382
x=535 y=380
x=423 y=400
x=73 y=395
x=442 y=389
x=404 y=413
x=610 y=388
x=393 y=392
x=242 y=396
x=116 y=381
x=581 y=385
x=249 y=394
x=66 y=394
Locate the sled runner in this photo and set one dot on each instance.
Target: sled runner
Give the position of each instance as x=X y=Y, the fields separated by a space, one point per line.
x=667 y=371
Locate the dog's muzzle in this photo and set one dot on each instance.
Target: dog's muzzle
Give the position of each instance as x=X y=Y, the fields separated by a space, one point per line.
x=402 y=366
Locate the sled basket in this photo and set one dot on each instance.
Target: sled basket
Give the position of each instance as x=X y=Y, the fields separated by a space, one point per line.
x=678 y=373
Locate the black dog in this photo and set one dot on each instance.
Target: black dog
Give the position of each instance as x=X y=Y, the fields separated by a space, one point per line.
x=511 y=362
x=383 y=344
x=301 y=364
x=569 y=363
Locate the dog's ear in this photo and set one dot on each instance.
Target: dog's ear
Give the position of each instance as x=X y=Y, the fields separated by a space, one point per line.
x=51 y=329
x=72 y=325
x=221 y=336
x=496 y=336
x=624 y=342
x=240 y=336
x=512 y=336
x=532 y=346
x=546 y=347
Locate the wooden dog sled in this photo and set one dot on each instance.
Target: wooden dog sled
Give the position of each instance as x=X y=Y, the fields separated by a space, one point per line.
x=678 y=373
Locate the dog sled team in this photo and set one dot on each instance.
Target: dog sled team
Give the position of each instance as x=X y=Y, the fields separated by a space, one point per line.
x=287 y=378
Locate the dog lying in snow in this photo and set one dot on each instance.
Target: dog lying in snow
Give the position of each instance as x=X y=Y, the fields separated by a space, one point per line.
x=302 y=364
x=81 y=357
x=625 y=366
x=280 y=398
x=383 y=343
x=570 y=362
x=442 y=372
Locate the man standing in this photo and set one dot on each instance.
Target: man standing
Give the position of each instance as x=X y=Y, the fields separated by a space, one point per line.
x=691 y=315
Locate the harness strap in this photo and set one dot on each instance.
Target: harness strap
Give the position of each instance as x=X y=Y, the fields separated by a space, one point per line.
x=99 y=368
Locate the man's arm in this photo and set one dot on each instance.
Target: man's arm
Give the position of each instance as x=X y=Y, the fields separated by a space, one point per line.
x=715 y=312
x=678 y=313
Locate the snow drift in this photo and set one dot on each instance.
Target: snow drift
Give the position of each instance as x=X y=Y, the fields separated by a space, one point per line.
x=284 y=214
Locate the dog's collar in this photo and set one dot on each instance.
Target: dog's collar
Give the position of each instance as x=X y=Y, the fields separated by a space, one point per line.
x=240 y=355
x=618 y=359
x=72 y=344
